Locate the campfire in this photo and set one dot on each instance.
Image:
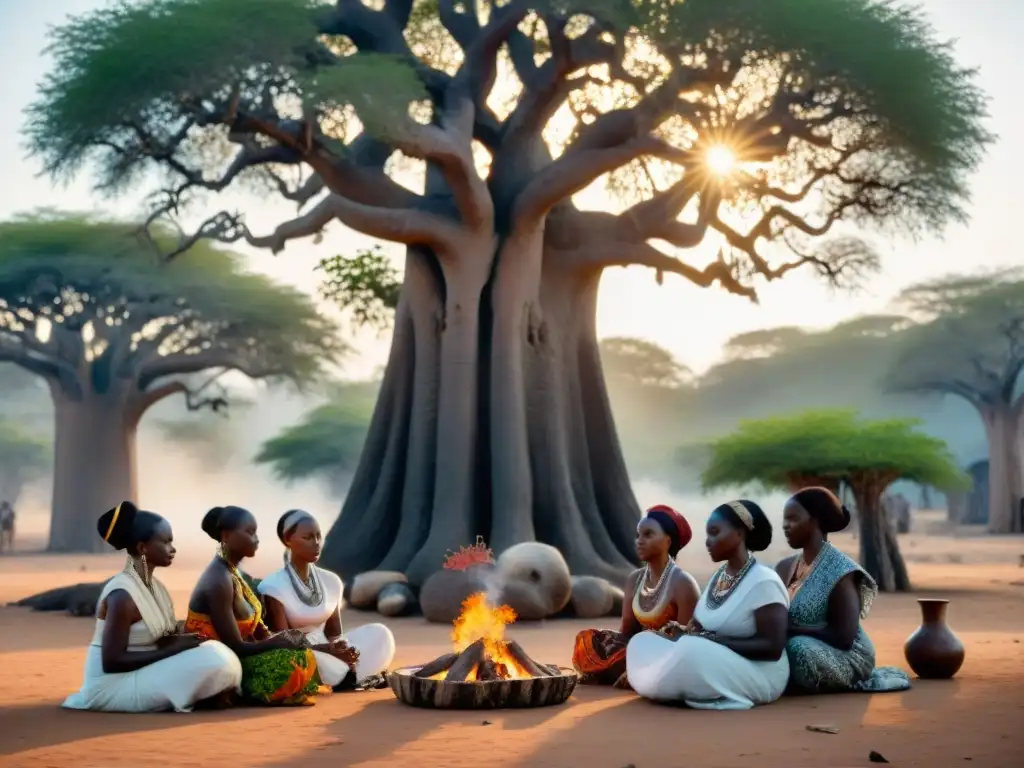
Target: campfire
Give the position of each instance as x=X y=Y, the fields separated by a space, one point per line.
x=484 y=670
x=481 y=651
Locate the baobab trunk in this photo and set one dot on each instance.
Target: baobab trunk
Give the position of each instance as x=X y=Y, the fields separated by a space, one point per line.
x=879 y=549
x=527 y=450
x=94 y=467
x=1005 y=471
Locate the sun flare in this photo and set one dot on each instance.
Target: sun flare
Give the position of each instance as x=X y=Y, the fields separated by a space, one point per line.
x=720 y=160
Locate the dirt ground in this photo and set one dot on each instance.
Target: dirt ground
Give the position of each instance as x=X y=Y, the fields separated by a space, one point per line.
x=975 y=718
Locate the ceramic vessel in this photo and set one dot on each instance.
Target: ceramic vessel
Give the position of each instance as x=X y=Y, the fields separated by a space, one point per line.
x=933 y=651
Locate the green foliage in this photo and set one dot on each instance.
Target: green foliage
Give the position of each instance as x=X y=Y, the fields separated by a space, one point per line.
x=365 y=284
x=140 y=62
x=24 y=458
x=917 y=112
x=829 y=443
x=137 y=75
x=327 y=441
x=120 y=311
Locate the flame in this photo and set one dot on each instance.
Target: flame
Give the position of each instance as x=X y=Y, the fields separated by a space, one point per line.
x=480 y=620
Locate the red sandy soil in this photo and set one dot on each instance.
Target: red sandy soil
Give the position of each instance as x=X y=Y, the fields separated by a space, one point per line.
x=974 y=719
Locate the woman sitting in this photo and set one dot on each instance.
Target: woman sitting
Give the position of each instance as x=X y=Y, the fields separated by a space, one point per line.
x=656 y=594
x=137 y=661
x=829 y=594
x=304 y=597
x=732 y=653
x=276 y=668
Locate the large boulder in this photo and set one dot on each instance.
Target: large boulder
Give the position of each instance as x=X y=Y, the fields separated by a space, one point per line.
x=443 y=592
x=592 y=597
x=535 y=580
x=618 y=598
x=396 y=599
x=366 y=588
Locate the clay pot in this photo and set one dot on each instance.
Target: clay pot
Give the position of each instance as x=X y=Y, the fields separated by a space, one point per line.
x=933 y=651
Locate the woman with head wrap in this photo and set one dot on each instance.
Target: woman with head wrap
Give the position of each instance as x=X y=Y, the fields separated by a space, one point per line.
x=276 y=668
x=828 y=649
x=732 y=653
x=305 y=597
x=655 y=596
x=137 y=660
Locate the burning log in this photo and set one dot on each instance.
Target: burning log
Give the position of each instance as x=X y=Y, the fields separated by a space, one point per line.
x=514 y=664
x=467 y=662
x=438 y=665
x=529 y=665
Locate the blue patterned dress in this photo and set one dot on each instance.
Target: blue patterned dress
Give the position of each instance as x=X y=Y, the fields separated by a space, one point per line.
x=817 y=667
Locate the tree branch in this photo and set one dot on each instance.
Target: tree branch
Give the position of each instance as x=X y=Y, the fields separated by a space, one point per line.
x=409 y=226
x=577 y=170
x=184 y=364
x=646 y=255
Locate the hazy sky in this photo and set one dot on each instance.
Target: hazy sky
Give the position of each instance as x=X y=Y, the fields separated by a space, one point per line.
x=693 y=323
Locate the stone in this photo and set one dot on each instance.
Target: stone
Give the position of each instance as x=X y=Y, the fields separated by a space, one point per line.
x=534 y=580
x=396 y=599
x=366 y=587
x=618 y=598
x=592 y=597
x=443 y=592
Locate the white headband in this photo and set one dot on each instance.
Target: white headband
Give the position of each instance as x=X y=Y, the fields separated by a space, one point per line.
x=294 y=519
x=743 y=514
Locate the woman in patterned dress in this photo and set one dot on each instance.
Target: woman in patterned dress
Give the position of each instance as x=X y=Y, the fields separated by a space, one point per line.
x=829 y=651
x=659 y=593
x=277 y=668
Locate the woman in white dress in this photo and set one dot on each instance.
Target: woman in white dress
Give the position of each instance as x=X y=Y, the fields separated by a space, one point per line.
x=732 y=653
x=138 y=661
x=304 y=597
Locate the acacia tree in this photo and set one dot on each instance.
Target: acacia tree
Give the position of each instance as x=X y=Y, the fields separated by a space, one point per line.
x=327 y=442
x=830 y=447
x=113 y=331
x=970 y=344
x=493 y=417
x=24 y=458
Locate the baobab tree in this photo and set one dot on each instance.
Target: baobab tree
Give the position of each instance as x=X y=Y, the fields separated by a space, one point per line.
x=760 y=126
x=969 y=344
x=113 y=331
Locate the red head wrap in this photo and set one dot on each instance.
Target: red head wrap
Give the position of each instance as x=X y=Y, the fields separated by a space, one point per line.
x=673 y=524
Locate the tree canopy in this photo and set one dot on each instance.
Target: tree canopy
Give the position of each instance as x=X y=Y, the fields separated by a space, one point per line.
x=829 y=444
x=835 y=110
x=642 y=364
x=86 y=305
x=969 y=341
x=24 y=458
x=327 y=441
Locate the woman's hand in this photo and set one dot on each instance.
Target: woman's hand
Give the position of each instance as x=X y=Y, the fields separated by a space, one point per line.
x=179 y=643
x=290 y=640
x=344 y=652
x=673 y=630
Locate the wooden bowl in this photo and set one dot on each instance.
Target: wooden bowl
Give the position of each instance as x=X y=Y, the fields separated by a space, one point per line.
x=487 y=694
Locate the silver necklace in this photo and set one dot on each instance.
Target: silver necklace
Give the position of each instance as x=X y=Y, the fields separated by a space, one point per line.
x=311 y=593
x=651 y=595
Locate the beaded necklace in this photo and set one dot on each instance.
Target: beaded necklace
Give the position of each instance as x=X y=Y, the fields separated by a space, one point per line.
x=723 y=585
x=650 y=597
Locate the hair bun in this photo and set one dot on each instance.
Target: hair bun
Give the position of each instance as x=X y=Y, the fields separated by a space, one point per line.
x=115 y=525
x=211 y=523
